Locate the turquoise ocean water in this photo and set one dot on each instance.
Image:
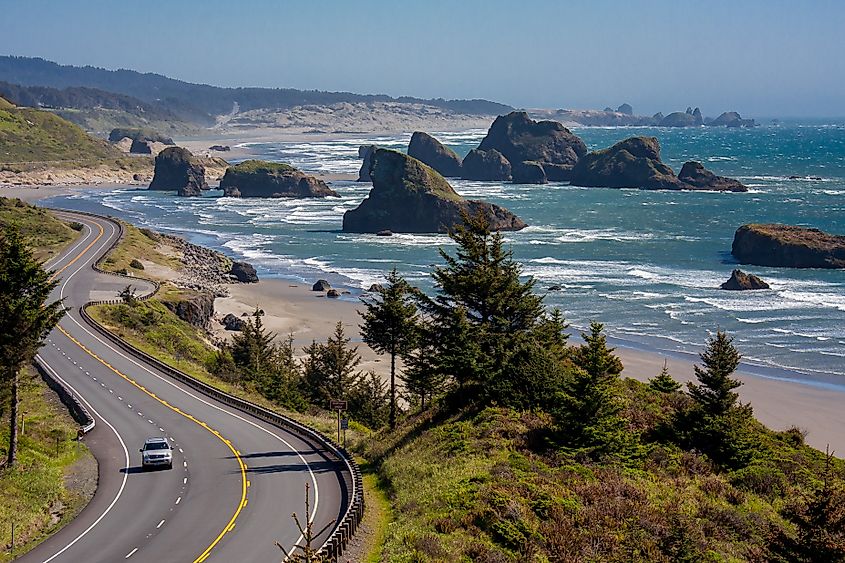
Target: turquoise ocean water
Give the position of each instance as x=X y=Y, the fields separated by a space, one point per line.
x=648 y=264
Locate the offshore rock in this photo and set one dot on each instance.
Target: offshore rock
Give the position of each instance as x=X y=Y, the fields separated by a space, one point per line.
x=259 y=178
x=432 y=152
x=788 y=246
x=740 y=281
x=520 y=138
x=177 y=169
x=233 y=323
x=486 y=166
x=632 y=163
x=695 y=175
x=528 y=172
x=365 y=152
x=321 y=285
x=410 y=197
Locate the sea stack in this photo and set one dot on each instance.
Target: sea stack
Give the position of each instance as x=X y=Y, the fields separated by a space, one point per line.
x=788 y=246
x=177 y=169
x=410 y=197
x=432 y=152
x=259 y=178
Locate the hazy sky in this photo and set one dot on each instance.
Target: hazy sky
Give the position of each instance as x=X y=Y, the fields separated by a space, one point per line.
x=763 y=58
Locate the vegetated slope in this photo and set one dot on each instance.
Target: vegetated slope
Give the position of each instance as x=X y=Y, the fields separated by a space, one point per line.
x=31 y=135
x=185 y=98
x=95 y=109
x=487 y=487
x=55 y=476
x=44 y=232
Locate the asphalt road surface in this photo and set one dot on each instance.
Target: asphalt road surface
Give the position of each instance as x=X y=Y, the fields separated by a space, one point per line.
x=235 y=481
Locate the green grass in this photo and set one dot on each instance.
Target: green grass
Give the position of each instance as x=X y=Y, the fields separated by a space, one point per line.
x=31 y=135
x=488 y=487
x=139 y=244
x=46 y=234
x=378 y=515
x=34 y=493
x=262 y=166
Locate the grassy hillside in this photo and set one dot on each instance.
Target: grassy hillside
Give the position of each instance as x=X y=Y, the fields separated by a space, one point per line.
x=49 y=486
x=30 y=135
x=485 y=487
x=45 y=233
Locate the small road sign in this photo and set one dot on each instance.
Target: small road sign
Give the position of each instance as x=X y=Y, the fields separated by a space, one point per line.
x=338 y=405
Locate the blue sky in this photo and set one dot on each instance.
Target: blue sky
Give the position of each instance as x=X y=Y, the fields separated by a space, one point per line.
x=763 y=58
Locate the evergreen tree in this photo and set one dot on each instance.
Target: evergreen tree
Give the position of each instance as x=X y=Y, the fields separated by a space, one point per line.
x=390 y=326
x=329 y=370
x=25 y=318
x=589 y=404
x=714 y=394
x=481 y=310
x=369 y=401
x=252 y=349
x=594 y=356
x=421 y=378
x=664 y=382
x=282 y=380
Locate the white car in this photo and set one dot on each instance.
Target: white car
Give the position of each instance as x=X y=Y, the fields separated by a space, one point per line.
x=157 y=453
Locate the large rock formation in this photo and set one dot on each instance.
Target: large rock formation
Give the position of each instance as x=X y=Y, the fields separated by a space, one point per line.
x=626 y=109
x=740 y=281
x=732 y=119
x=632 y=163
x=695 y=175
x=177 y=169
x=244 y=272
x=410 y=197
x=528 y=172
x=788 y=246
x=520 y=138
x=259 y=178
x=195 y=309
x=138 y=134
x=432 y=152
x=689 y=118
x=635 y=163
x=365 y=153
x=486 y=166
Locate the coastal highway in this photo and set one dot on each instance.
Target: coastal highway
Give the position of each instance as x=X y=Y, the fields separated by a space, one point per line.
x=235 y=481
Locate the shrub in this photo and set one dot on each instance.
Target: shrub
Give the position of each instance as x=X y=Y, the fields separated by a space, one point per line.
x=76 y=226
x=762 y=479
x=135 y=263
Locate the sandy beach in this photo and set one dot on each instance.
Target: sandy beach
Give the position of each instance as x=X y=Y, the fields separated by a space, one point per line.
x=815 y=406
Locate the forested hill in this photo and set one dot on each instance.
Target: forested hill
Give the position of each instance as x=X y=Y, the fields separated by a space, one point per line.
x=185 y=98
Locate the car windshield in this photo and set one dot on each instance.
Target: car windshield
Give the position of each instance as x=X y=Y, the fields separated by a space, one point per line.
x=156 y=446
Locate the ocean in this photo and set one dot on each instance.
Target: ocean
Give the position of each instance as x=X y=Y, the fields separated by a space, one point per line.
x=647 y=264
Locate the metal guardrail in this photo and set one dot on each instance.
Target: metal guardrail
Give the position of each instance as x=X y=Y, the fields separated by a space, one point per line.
x=346 y=527
x=77 y=410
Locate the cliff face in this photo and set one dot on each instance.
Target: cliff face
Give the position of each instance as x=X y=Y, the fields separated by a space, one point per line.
x=788 y=246
x=177 y=169
x=195 y=309
x=258 y=178
x=410 y=197
x=432 y=152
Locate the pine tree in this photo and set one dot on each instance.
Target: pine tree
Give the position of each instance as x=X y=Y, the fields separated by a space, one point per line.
x=390 y=326
x=594 y=356
x=664 y=382
x=329 y=370
x=369 y=401
x=252 y=349
x=714 y=394
x=25 y=318
x=588 y=407
x=481 y=310
x=422 y=379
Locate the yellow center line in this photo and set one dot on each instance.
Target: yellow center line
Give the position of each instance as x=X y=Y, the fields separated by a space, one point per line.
x=231 y=525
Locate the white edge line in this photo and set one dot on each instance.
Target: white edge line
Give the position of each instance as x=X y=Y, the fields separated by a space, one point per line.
x=125 y=454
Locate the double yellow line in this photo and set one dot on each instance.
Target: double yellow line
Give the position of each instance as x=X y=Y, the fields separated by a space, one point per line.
x=244 y=483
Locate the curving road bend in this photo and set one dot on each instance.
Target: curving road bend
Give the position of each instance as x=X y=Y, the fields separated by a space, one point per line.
x=235 y=479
